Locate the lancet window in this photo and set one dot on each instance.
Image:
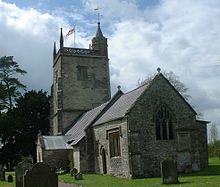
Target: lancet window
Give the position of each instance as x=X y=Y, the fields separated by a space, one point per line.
x=164 y=124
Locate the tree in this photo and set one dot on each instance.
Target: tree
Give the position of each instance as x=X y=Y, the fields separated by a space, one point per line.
x=32 y=114
x=214 y=142
x=173 y=79
x=10 y=85
x=9 y=152
x=3 y=96
x=19 y=128
x=213 y=136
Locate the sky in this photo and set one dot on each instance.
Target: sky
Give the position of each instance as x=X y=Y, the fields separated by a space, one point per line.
x=178 y=36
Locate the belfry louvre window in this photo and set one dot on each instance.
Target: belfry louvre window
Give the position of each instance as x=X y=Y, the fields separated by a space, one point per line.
x=164 y=124
x=114 y=143
x=82 y=73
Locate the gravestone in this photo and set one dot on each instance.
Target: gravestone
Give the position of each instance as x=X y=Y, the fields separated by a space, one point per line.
x=40 y=175
x=195 y=167
x=169 y=172
x=2 y=173
x=10 y=178
x=20 y=170
x=73 y=171
x=78 y=176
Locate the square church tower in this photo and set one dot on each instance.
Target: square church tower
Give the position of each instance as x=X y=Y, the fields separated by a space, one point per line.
x=80 y=81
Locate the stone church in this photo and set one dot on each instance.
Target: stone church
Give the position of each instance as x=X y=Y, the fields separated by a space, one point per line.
x=125 y=135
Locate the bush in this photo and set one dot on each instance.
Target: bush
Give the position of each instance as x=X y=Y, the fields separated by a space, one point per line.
x=214 y=149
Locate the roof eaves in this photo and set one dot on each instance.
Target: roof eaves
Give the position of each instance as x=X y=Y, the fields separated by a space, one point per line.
x=203 y=121
x=77 y=141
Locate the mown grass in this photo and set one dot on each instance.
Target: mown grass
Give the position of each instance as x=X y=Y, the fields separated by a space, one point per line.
x=209 y=177
x=6 y=184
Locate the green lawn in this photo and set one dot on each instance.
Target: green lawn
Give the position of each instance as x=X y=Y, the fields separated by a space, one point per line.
x=6 y=184
x=209 y=177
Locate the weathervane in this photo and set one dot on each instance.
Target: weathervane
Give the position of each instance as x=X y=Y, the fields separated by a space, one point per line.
x=98 y=13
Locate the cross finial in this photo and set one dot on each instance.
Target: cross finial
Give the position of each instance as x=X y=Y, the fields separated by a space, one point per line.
x=158 y=69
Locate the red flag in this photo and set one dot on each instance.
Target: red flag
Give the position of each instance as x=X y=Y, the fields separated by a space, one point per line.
x=71 y=31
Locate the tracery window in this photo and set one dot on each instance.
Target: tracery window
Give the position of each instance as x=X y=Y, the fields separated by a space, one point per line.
x=164 y=124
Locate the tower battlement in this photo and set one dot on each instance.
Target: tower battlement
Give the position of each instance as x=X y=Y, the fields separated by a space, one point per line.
x=69 y=51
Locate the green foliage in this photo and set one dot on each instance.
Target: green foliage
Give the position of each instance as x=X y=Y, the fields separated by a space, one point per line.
x=19 y=127
x=3 y=96
x=214 y=149
x=10 y=86
x=9 y=152
x=32 y=114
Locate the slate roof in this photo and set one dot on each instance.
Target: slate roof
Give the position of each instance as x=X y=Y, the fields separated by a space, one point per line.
x=120 y=108
x=113 y=109
x=77 y=132
x=54 y=143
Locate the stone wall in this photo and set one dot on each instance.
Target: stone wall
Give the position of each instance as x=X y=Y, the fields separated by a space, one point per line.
x=90 y=152
x=72 y=96
x=56 y=98
x=147 y=152
x=83 y=156
x=115 y=165
x=203 y=146
x=80 y=161
x=85 y=94
x=58 y=158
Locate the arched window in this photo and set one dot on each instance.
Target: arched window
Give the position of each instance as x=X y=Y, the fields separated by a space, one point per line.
x=164 y=124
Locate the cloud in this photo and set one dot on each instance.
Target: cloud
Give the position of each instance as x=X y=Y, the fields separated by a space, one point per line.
x=28 y=35
x=178 y=36
x=114 y=9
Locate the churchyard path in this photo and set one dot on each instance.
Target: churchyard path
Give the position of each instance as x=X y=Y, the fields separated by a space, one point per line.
x=67 y=185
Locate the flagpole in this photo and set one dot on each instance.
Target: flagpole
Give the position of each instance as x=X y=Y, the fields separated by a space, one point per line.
x=74 y=36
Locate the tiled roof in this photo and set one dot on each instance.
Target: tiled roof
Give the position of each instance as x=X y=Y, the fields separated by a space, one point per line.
x=54 y=143
x=77 y=132
x=122 y=105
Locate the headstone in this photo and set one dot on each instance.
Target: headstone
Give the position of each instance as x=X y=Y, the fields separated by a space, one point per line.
x=78 y=176
x=188 y=169
x=195 y=167
x=169 y=172
x=73 y=171
x=2 y=173
x=10 y=178
x=20 y=170
x=41 y=175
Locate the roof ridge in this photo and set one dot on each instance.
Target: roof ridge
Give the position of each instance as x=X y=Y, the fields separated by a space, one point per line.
x=144 y=84
x=117 y=95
